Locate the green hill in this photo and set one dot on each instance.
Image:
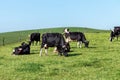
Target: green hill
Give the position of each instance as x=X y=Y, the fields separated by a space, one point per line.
x=17 y=36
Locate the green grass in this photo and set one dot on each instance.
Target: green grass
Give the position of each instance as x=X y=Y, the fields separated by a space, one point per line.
x=101 y=61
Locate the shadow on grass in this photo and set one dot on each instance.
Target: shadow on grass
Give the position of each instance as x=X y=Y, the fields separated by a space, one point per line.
x=83 y=47
x=1 y=57
x=75 y=54
x=92 y=47
x=32 y=53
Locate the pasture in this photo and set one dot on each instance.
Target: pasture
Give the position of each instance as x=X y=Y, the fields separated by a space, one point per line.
x=101 y=61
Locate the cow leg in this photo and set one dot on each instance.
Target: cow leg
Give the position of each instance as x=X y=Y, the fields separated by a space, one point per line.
x=46 y=51
x=36 y=42
x=110 y=39
x=55 y=50
x=41 y=52
x=33 y=43
x=60 y=54
x=117 y=37
x=79 y=44
x=39 y=42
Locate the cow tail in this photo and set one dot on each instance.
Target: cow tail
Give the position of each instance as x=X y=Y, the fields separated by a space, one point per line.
x=43 y=41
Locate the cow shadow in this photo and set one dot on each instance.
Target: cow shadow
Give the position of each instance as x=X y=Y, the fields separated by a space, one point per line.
x=33 y=53
x=84 y=47
x=75 y=54
x=92 y=47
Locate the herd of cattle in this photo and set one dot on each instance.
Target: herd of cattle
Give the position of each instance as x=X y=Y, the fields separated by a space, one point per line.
x=61 y=42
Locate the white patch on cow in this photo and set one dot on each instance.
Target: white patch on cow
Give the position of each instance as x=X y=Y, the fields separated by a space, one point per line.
x=45 y=45
x=20 y=49
x=68 y=39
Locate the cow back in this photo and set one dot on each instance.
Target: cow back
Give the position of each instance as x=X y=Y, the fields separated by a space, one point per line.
x=78 y=36
x=35 y=37
x=53 y=39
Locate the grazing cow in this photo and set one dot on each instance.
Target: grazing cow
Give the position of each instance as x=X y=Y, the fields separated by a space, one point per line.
x=23 y=49
x=76 y=36
x=35 y=37
x=115 y=33
x=54 y=40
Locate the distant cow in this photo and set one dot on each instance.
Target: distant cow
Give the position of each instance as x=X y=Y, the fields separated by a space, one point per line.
x=76 y=36
x=115 y=33
x=54 y=40
x=23 y=49
x=35 y=37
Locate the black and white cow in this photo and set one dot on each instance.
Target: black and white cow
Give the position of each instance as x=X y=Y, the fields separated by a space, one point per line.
x=35 y=37
x=23 y=49
x=76 y=36
x=115 y=33
x=54 y=40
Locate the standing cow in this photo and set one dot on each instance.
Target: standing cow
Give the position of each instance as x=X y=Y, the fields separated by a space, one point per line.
x=76 y=36
x=115 y=33
x=54 y=40
x=35 y=37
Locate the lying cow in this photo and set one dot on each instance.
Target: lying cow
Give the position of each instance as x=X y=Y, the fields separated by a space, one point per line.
x=115 y=33
x=35 y=37
x=23 y=49
x=54 y=40
x=76 y=36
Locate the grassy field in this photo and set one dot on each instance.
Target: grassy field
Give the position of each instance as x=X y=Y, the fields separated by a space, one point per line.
x=101 y=61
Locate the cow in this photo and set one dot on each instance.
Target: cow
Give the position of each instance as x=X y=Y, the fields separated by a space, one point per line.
x=115 y=33
x=35 y=37
x=54 y=40
x=76 y=36
x=23 y=49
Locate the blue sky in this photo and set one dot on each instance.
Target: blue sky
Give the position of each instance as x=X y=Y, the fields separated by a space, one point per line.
x=18 y=15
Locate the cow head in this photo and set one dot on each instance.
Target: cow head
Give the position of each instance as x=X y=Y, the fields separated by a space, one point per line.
x=86 y=43
x=66 y=30
x=62 y=50
x=65 y=50
x=17 y=51
x=67 y=46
